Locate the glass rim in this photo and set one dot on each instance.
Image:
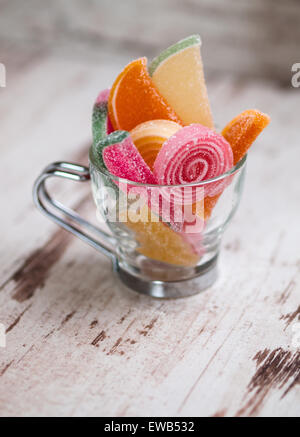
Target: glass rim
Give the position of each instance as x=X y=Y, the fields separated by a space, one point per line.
x=106 y=173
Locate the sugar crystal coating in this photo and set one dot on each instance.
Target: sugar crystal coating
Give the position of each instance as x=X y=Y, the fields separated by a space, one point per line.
x=178 y=75
x=101 y=125
x=243 y=130
x=193 y=154
x=149 y=137
x=159 y=242
x=134 y=98
x=124 y=160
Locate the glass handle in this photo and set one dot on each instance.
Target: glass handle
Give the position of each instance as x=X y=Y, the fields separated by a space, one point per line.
x=66 y=216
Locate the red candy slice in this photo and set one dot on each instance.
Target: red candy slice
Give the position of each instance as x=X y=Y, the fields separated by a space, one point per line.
x=124 y=160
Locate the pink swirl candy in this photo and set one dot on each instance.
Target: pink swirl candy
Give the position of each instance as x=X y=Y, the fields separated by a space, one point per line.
x=195 y=153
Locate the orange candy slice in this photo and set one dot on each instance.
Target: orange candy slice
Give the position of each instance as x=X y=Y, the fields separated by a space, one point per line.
x=134 y=98
x=243 y=130
x=240 y=132
x=204 y=209
x=149 y=137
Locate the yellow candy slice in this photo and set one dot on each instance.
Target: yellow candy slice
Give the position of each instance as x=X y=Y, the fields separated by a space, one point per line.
x=158 y=241
x=178 y=75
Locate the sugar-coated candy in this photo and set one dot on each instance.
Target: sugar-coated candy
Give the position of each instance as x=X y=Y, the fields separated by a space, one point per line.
x=101 y=125
x=243 y=130
x=123 y=160
x=156 y=239
x=97 y=148
x=155 y=127
x=240 y=132
x=149 y=137
x=134 y=98
x=159 y=242
x=193 y=154
x=178 y=75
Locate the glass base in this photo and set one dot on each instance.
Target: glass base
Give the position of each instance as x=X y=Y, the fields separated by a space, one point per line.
x=201 y=278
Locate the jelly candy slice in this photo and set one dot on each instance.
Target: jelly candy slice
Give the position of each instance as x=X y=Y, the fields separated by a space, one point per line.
x=209 y=204
x=193 y=154
x=134 y=98
x=149 y=137
x=123 y=160
x=178 y=75
x=242 y=131
x=159 y=242
x=101 y=125
x=102 y=99
x=97 y=148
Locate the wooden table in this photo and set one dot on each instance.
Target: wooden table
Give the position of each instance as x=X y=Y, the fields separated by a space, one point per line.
x=78 y=345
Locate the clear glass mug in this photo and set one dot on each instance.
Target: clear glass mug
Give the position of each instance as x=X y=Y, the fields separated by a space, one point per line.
x=155 y=248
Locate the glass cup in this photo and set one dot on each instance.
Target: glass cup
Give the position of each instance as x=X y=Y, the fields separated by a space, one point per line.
x=164 y=241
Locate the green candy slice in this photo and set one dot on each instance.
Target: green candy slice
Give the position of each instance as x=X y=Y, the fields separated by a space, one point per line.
x=99 y=121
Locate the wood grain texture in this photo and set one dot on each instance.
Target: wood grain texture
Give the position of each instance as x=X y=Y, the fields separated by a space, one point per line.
x=78 y=344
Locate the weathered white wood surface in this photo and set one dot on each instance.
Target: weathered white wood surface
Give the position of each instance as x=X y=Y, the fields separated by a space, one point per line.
x=76 y=343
